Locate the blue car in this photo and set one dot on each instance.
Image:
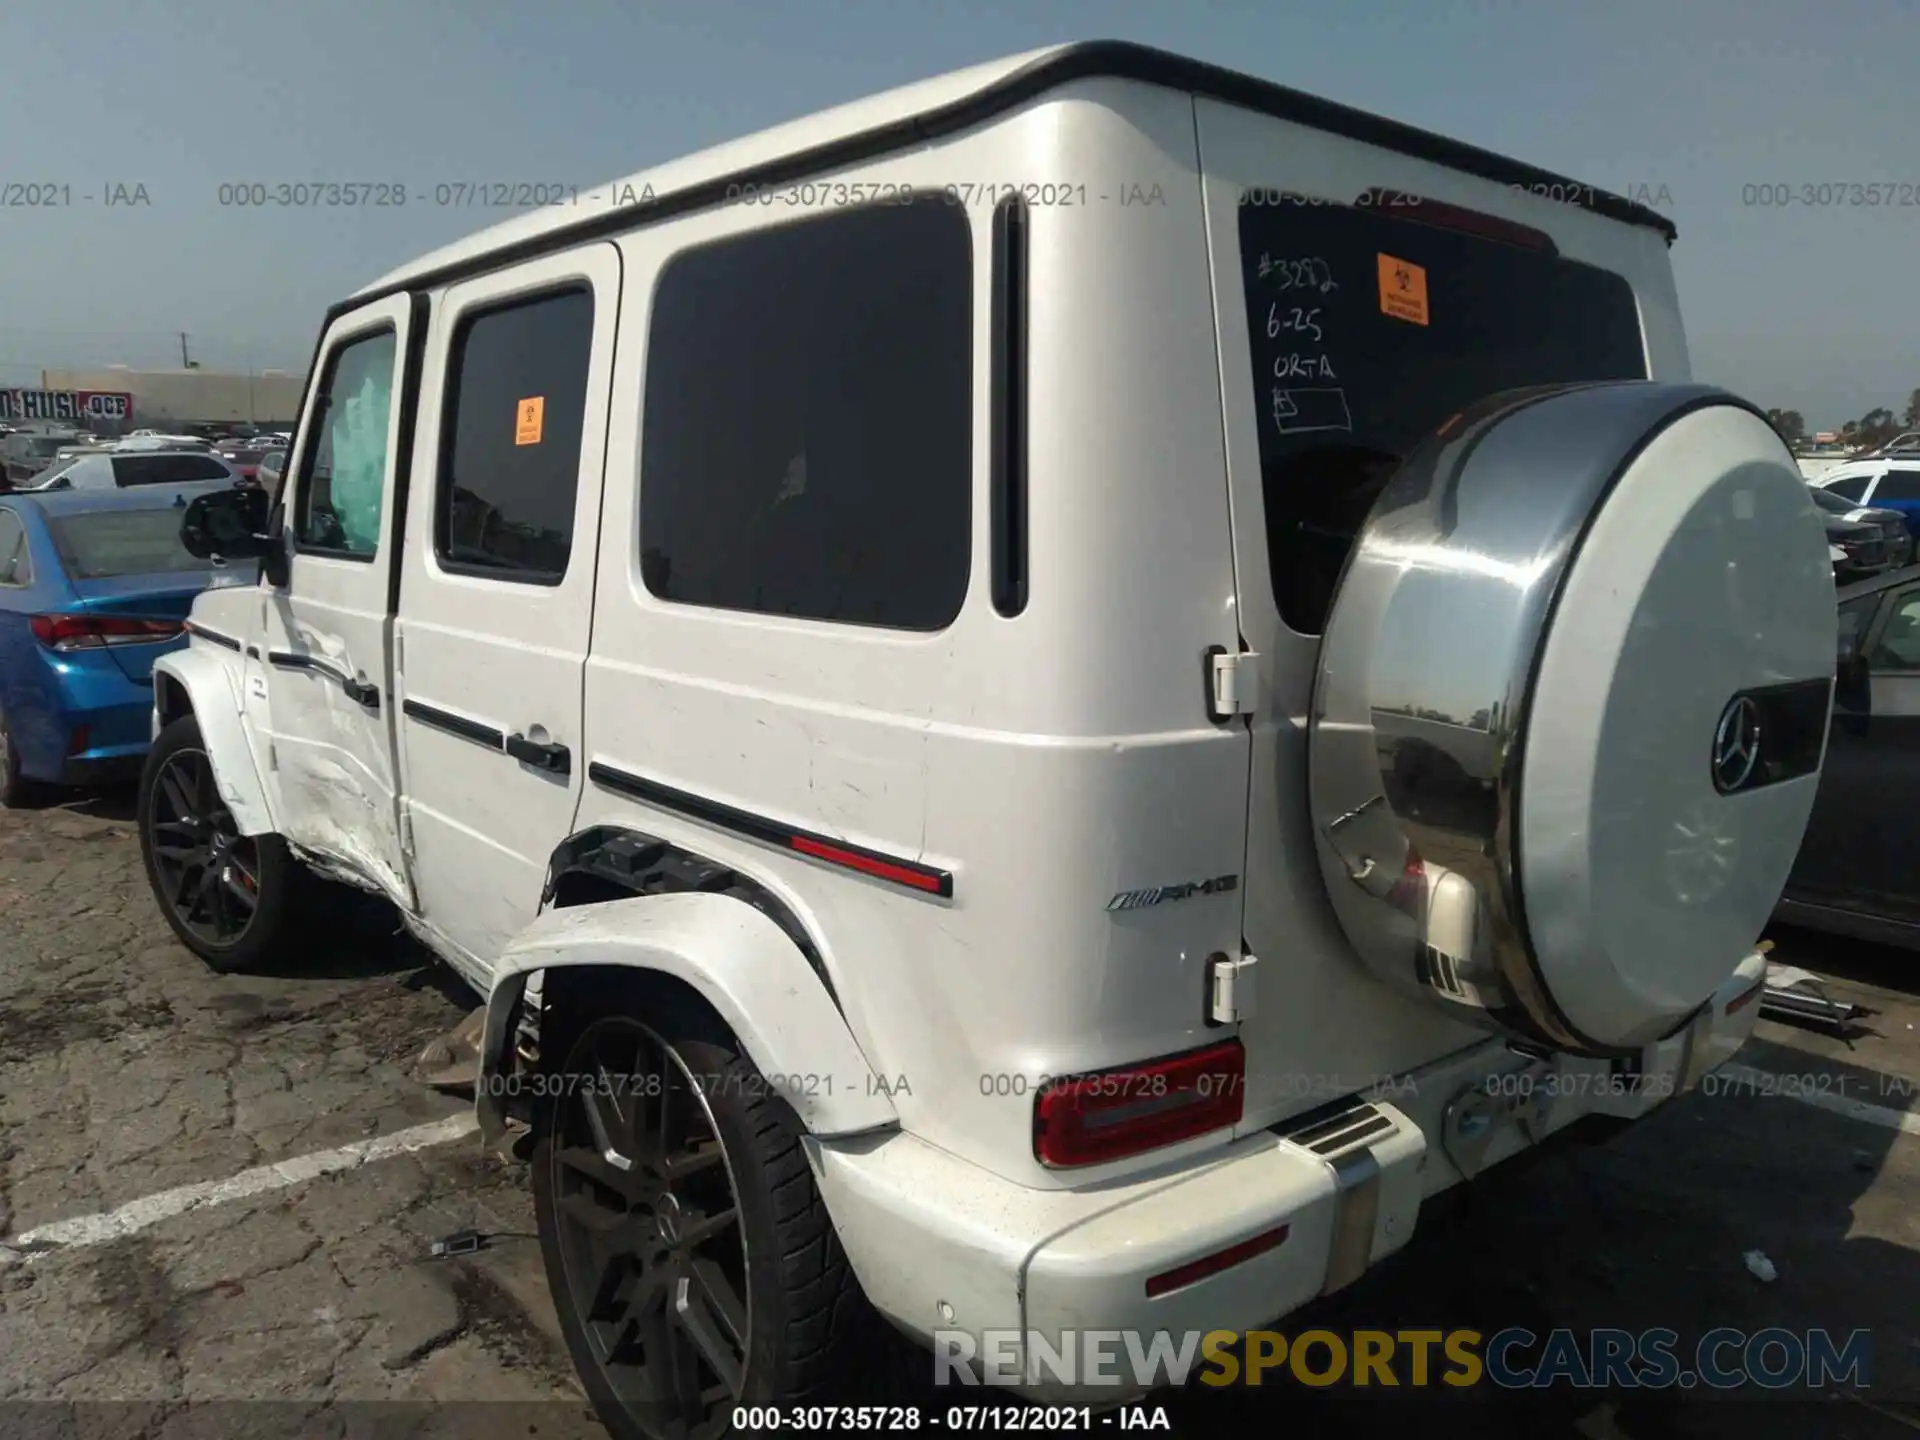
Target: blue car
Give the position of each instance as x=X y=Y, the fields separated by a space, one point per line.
x=94 y=587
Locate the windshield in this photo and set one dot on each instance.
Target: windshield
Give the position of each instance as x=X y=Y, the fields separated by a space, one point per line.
x=1369 y=329
x=104 y=543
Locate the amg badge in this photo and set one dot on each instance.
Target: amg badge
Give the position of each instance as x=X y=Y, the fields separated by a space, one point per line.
x=1140 y=899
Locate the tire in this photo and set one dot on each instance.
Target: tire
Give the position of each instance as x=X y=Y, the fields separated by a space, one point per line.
x=15 y=789
x=794 y=1299
x=198 y=864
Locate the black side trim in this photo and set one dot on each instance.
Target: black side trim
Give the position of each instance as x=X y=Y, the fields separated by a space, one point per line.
x=908 y=874
x=609 y=859
x=1009 y=401
x=414 y=368
x=215 y=636
x=1095 y=59
x=455 y=724
x=360 y=694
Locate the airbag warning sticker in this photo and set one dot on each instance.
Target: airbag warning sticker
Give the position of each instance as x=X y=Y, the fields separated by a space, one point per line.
x=1403 y=290
x=529 y=415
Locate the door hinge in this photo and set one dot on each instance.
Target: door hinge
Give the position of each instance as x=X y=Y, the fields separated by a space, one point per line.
x=1229 y=989
x=1233 y=683
x=399 y=651
x=406 y=831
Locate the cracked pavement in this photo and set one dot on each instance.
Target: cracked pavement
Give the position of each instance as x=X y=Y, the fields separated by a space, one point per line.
x=128 y=1068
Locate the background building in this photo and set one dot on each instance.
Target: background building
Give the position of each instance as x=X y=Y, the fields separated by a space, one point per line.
x=163 y=398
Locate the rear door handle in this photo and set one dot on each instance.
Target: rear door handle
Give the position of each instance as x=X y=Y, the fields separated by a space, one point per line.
x=554 y=758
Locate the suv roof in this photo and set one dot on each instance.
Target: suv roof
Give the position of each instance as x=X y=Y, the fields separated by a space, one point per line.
x=914 y=114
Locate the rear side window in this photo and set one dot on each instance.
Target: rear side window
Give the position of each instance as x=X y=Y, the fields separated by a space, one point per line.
x=342 y=493
x=1898 y=485
x=167 y=469
x=510 y=453
x=1851 y=488
x=1369 y=329
x=808 y=428
x=121 y=542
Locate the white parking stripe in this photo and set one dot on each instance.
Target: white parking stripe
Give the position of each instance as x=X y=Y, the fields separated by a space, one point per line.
x=136 y=1215
x=1768 y=1082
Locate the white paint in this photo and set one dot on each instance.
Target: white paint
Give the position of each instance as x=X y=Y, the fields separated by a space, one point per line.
x=136 y=1215
x=1767 y=1082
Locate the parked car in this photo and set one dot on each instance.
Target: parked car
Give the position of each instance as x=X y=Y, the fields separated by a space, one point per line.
x=1886 y=482
x=272 y=464
x=244 y=457
x=26 y=453
x=694 y=744
x=109 y=470
x=1858 y=873
x=94 y=587
x=1865 y=541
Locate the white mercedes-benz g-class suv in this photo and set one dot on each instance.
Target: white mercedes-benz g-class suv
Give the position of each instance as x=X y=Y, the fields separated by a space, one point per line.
x=1039 y=703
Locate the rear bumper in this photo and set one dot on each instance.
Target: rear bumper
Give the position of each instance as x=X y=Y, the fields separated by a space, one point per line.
x=973 y=1262
x=115 y=712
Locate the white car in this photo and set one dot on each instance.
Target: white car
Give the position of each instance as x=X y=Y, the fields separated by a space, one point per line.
x=859 y=672
x=153 y=440
x=118 y=468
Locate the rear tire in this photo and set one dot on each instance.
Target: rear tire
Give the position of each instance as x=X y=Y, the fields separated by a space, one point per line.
x=706 y=1270
x=231 y=899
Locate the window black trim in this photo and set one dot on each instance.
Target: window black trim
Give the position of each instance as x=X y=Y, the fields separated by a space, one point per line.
x=455 y=725
x=303 y=475
x=928 y=879
x=1008 y=504
x=450 y=411
x=1093 y=59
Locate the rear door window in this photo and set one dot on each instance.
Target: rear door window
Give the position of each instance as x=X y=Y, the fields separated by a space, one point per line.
x=168 y=469
x=1370 y=327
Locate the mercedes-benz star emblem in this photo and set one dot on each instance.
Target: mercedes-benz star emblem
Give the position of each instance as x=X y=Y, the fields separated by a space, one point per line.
x=1736 y=745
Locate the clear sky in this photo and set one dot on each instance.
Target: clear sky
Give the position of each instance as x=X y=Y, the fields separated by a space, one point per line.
x=1815 y=309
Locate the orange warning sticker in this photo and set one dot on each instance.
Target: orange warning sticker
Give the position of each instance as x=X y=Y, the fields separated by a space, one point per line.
x=528 y=417
x=1403 y=290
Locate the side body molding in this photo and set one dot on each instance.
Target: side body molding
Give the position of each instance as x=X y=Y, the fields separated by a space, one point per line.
x=211 y=684
x=741 y=962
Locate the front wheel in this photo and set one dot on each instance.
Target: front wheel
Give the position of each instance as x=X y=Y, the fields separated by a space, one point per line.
x=690 y=1256
x=228 y=896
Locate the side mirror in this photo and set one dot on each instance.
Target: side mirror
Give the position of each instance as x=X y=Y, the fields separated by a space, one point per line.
x=228 y=525
x=1852 y=682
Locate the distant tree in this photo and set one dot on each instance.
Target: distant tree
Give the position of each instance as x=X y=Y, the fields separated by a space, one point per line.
x=1913 y=411
x=1791 y=425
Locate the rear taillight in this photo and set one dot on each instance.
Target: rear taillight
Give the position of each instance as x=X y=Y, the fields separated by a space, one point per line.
x=1111 y=1114
x=92 y=632
x=1409 y=893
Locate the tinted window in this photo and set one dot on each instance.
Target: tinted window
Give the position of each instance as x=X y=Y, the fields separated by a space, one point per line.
x=168 y=469
x=1834 y=504
x=1898 y=485
x=1369 y=330
x=1851 y=488
x=345 y=477
x=1899 y=644
x=121 y=542
x=808 y=424
x=510 y=453
x=1854 y=616
x=14 y=569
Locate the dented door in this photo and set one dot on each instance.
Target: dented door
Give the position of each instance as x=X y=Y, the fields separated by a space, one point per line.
x=328 y=659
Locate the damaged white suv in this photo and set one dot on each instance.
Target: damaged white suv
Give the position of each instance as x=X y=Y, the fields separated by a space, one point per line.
x=1077 y=684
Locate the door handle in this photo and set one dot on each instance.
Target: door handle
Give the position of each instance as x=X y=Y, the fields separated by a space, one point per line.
x=368 y=695
x=554 y=758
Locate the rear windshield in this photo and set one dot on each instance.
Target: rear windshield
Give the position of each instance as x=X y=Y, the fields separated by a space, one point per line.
x=121 y=542
x=167 y=469
x=1370 y=329
x=50 y=444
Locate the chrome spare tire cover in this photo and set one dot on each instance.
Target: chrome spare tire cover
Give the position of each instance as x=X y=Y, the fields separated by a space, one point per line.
x=1571 y=708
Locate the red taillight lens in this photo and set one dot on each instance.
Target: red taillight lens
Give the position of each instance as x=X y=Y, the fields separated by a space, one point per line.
x=91 y=632
x=1409 y=893
x=1111 y=1114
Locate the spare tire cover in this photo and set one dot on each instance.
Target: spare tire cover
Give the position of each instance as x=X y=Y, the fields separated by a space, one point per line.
x=1571 y=707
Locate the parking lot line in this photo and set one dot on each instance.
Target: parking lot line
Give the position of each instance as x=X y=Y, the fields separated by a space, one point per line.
x=97 y=1229
x=1766 y=1082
